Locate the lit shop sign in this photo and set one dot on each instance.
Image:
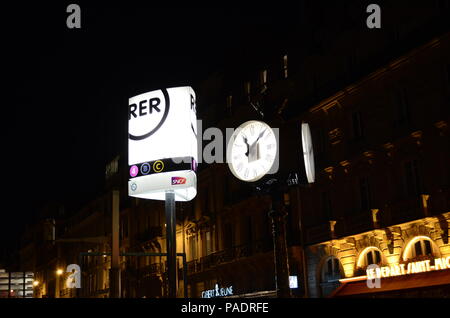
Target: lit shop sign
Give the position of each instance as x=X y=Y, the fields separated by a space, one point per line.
x=293 y=282
x=217 y=292
x=409 y=268
x=162 y=144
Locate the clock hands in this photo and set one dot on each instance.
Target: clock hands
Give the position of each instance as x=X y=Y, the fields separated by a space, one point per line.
x=248 y=146
x=260 y=135
x=253 y=149
x=252 y=152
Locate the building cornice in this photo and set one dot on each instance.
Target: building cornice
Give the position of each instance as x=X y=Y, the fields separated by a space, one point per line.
x=333 y=100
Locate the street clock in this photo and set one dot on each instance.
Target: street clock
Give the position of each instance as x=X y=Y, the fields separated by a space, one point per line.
x=252 y=151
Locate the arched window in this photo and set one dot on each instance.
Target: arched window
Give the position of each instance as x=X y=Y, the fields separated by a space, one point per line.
x=331 y=272
x=420 y=247
x=370 y=255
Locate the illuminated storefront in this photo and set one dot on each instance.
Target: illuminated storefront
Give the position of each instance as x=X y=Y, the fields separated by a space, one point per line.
x=409 y=259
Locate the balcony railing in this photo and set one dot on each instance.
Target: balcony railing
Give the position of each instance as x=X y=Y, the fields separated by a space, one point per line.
x=229 y=255
x=402 y=211
x=149 y=234
x=318 y=233
x=152 y=269
x=359 y=222
x=395 y=213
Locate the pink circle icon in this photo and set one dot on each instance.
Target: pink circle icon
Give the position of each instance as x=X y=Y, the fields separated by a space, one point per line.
x=134 y=171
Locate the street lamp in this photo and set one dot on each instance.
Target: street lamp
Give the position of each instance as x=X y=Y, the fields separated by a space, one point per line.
x=59 y=272
x=35 y=283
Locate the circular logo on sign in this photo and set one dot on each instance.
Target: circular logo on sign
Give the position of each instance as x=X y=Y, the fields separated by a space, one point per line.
x=133 y=187
x=145 y=168
x=158 y=166
x=134 y=171
x=147 y=113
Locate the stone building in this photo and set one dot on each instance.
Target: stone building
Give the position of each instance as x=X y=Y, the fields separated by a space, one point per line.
x=378 y=106
x=382 y=166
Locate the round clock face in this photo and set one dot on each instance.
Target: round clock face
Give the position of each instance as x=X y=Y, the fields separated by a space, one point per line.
x=308 y=154
x=252 y=150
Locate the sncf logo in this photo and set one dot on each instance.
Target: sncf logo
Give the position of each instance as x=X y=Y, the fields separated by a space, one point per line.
x=178 y=180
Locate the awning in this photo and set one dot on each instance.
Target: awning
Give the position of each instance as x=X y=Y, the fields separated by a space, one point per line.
x=398 y=283
x=260 y=294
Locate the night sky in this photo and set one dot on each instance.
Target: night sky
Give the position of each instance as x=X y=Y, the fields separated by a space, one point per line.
x=65 y=91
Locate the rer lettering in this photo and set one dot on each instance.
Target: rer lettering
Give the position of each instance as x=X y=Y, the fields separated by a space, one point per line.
x=141 y=110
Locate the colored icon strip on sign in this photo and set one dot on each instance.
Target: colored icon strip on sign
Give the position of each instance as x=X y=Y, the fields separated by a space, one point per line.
x=163 y=165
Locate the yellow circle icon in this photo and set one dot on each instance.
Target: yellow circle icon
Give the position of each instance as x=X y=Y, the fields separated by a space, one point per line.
x=158 y=166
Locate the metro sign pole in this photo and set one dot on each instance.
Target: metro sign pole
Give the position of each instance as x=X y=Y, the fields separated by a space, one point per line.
x=171 y=244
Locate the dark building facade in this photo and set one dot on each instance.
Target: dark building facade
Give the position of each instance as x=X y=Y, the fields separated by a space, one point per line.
x=378 y=104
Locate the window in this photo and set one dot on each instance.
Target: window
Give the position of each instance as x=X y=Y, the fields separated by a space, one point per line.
x=373 y=257
x=229 y=102
x=193 y=246
x=208 y=245
x=320 y=140
x=263 y=78
x=247 y=231
x=228 y=236
x=326 y=206
x=247 y=87
x=358 y=131
x=403 y=107
x=420 y=247
x=267 y=226
x=370 y=255
x=206 y=203
x=149 y=222
x=331 y=270
x=285 y=66
x=364 y=193
x=123 y=233
x=412 y=178
x=191 y=210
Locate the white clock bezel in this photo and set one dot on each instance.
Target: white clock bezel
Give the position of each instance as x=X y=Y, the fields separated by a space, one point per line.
x=308 y=152
x=266 y=168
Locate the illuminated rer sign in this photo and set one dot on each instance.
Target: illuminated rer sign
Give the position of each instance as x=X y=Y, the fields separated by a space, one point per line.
x=162 y=144
x=409 y=268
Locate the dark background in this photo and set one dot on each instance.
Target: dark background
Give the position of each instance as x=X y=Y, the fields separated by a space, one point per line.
x=65 y=91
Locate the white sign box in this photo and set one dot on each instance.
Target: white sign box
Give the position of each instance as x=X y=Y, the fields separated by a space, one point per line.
x=162 y=144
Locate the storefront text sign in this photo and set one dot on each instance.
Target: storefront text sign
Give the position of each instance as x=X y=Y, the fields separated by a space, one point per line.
x=409 y=268
x=217 y=292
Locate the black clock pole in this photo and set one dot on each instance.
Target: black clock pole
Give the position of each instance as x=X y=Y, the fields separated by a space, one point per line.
x=278 y=215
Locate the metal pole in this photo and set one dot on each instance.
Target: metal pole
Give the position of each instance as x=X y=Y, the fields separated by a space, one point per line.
x=23 y=285
x=278 y=215
x=302 y=243
x=115 y=265
x=171 y=244
x=185 y=276
x=9 y=284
